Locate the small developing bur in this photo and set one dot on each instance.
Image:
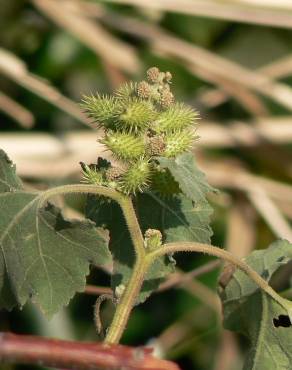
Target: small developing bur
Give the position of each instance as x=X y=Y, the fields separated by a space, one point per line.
x=156 y=145
x=90 y=174
x=114 y=173
x=101 y=109
x=152 y=239
x=166 y=99
x=144 y=90
x=154 y=75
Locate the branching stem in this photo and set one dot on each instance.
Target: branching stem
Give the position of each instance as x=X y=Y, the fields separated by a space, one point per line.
x=220 y=253
x=144 y=259
x=124 y=202
x=128 y=299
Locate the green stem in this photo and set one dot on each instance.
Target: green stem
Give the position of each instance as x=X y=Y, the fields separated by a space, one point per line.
x=124 y=202
x=127 y=301
x=133 y=226
x=221 y=253
x=81 y=189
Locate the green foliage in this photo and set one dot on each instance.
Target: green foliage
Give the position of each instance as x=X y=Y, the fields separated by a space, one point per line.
x=163 y=183
x=249 y=310
x=177 y=217
x=191 y=180
x=43 y=256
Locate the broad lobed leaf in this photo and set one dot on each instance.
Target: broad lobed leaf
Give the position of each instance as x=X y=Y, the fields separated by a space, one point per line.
x=252 y=312
x=43 y=256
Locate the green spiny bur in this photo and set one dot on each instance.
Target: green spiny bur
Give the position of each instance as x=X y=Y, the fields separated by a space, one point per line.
x=178 y=142
x=91 y=175
x=176 y=117
x=136 y=115
x=126 y=91
x=124 y=145
x=102 y=109
x=136 y=178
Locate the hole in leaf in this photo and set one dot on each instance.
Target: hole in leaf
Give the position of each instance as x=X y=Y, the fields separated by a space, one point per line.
x=265 y=274
x=282 y=320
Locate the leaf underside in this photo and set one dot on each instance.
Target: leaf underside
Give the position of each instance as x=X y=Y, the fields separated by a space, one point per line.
x=249 y=310
x=42 y=255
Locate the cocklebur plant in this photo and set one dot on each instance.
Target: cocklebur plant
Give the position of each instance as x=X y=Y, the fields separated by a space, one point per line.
x=151 y=198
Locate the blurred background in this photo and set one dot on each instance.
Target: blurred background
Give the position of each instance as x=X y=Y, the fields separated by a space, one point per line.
x=232 y=61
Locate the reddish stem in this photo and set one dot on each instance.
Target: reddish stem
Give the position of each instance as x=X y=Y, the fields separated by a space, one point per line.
x=97 y=290
x=34 y=350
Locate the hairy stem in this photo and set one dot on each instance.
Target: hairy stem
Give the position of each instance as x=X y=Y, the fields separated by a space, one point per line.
x=124 y=202
x=81 y=189
x=127 y=301
x=221 y=253
x=133 y=226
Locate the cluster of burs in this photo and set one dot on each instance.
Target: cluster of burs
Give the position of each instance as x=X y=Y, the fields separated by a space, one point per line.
x=141 y=122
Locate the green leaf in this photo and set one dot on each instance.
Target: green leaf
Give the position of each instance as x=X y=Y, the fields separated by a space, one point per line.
x=177 y=218
x=249 y=310
x=43 y=256
x=192 y=181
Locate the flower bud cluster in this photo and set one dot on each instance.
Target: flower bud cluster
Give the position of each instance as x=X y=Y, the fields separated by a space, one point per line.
x=141 y=121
